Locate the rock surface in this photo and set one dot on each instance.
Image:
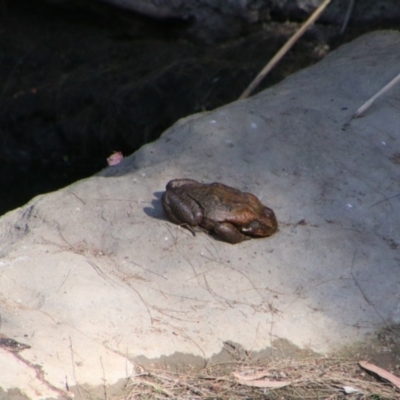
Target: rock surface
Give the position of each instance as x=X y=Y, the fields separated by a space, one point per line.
x=93 y=277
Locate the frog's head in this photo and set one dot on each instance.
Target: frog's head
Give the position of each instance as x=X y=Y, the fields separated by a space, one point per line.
x=265 y=225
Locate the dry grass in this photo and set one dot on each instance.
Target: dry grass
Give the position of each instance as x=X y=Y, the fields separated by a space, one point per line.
x=317 y=378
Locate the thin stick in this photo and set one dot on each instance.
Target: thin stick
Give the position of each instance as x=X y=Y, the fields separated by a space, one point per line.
x=368 y=104
x=347 y=16
x=284 y=49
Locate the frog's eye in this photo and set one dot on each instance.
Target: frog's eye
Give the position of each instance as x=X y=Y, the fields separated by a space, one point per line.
x=268 y=212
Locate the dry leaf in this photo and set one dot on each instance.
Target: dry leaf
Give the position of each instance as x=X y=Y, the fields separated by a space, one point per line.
x=115 y=158
x=381 y=372
x=246 y=376
x=261 y=383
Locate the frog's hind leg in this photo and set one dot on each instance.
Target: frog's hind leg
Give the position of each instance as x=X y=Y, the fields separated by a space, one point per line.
x=180 y=212
x=228 y=233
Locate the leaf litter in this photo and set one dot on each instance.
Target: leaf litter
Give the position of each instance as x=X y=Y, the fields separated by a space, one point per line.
x=311 y=378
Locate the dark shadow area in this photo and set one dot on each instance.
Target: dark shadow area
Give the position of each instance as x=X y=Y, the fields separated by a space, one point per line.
x=80 y=82
x=156 y=211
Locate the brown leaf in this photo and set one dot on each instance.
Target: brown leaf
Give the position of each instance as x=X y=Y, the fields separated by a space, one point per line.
x=381 y=372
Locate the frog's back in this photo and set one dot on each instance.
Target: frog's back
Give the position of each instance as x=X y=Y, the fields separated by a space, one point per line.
x=224 y=203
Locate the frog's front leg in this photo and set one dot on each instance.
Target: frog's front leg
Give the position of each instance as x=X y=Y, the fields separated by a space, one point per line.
x=229 y=233
x=182 y=209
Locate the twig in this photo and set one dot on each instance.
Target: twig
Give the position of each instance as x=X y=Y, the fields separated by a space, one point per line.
x=368 y=104
x=347 y=16
x=182 y=382
x=314 y=16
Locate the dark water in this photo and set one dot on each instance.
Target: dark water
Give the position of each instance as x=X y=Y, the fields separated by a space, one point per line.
x=19 y=183
x=77 y=84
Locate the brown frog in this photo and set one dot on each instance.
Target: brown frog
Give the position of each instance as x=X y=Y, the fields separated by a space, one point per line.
x=232 y=215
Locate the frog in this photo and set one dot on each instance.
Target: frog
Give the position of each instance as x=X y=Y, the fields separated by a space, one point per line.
x=223 y=211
